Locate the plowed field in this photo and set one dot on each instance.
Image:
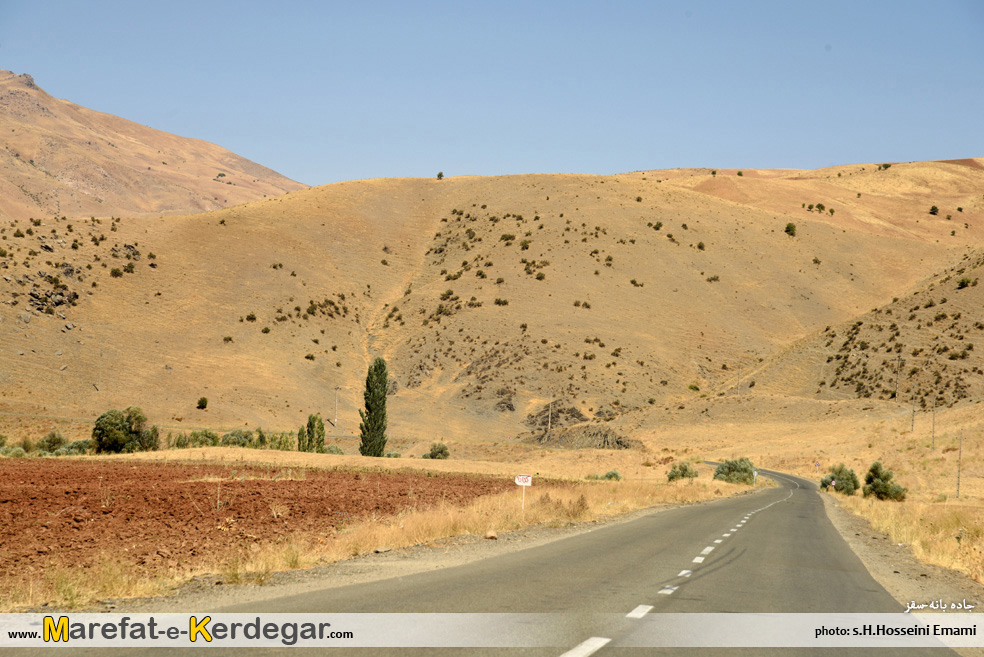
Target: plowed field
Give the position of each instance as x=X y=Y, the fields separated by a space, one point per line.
x=156 y=516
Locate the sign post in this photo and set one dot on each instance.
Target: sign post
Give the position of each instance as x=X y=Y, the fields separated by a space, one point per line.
x=524 y=481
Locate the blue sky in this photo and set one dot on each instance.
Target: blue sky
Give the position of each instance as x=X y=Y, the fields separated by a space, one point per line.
x=334 y=91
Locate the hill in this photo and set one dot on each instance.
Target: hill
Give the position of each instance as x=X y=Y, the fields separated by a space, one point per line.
x=497 y=302
x=60 y=159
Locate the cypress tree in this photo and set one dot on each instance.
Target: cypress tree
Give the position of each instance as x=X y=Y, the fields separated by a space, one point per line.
x=373 y=425
x=316 y=434
x=302 y=441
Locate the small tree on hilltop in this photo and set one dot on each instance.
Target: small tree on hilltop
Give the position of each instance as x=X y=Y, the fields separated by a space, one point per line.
x=316 y=434
x=373 y=425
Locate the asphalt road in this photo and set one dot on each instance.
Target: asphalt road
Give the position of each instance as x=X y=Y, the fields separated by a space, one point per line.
x=773 y=551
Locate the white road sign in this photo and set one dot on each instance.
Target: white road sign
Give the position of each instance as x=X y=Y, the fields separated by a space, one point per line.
x=524 y=480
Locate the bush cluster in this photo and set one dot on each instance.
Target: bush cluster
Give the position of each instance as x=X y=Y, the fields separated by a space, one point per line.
x=843 y=479
x=878 y=482
x=681 y=471
x=437 y=451
x=736 y=471
x=124 y=432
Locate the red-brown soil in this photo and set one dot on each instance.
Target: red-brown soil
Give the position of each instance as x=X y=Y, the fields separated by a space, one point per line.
x=156 y=516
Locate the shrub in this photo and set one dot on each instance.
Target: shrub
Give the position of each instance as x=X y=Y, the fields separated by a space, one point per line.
x=83 y=446
x=878 y=482
x=440 y=175
x=124 y=431
x=203 y=438
x=791 y=229
x=843 y=478
x=202 y=402
x=51 y=442
x=502 y=302
x=736 y=471
x=13 y=452
x=115 y=272
x=963 y=282
x=334 y=449
x=934 y=210
x=392 y=455
x=612 y=475
x=3 y=440
x=437 y=451
x=681 y=471
x=237 y=438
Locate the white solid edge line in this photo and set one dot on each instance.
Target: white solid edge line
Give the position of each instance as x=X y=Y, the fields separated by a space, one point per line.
x=707 y=550
x=639 y=611
x=698 y=559
x=685 y=573
x=587 y=647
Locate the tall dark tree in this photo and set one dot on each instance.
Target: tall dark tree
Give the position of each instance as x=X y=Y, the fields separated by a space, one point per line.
x=302 y=440
x=373 y=425
x=316 y=434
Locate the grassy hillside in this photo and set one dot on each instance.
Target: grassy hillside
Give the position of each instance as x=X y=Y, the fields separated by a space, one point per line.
x=611 y=296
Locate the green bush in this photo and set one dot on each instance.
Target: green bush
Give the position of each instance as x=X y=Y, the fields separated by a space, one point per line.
x=736 y=471
x=203 y=438
x=123 y=431
x=934 y=210
x=878 y=482
x=51 y=442
x=437 y=451
x=202 y=403
x=83 y=446
x=335 y=449
x=681 y=471
x=3 y=440
x=791 y=229
x=13 y=452
x=392 y=455
x=612 y=475
x=237 y=438
x=843 y=478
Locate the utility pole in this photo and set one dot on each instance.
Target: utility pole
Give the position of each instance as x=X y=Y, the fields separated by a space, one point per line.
x=959 y=459
x=336 y=407
x=934 y=421
x=912 y=424
x=898 y=372
x=549 y=415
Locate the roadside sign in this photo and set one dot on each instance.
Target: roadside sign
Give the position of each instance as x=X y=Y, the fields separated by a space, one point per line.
x=524 y=481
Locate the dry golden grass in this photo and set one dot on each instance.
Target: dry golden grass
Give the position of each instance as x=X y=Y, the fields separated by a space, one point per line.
x=555 y=504
x=947 y=534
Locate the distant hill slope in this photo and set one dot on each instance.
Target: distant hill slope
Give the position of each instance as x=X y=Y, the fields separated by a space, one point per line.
x=489 y=297
x=60 y=159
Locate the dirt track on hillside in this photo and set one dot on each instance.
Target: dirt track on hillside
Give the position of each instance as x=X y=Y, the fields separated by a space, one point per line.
x=157 y=516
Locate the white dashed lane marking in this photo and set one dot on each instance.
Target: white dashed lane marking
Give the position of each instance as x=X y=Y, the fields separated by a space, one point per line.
x=639 y=611
x=588 y=647
x=685 y=573
x=719 y=541
x=707 y=550
x=698 y=559
x=666 y=590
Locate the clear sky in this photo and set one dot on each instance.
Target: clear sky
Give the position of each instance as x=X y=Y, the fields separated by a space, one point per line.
x=329 y=91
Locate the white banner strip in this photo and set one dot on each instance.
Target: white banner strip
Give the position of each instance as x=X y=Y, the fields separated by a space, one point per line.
x=653 y=630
